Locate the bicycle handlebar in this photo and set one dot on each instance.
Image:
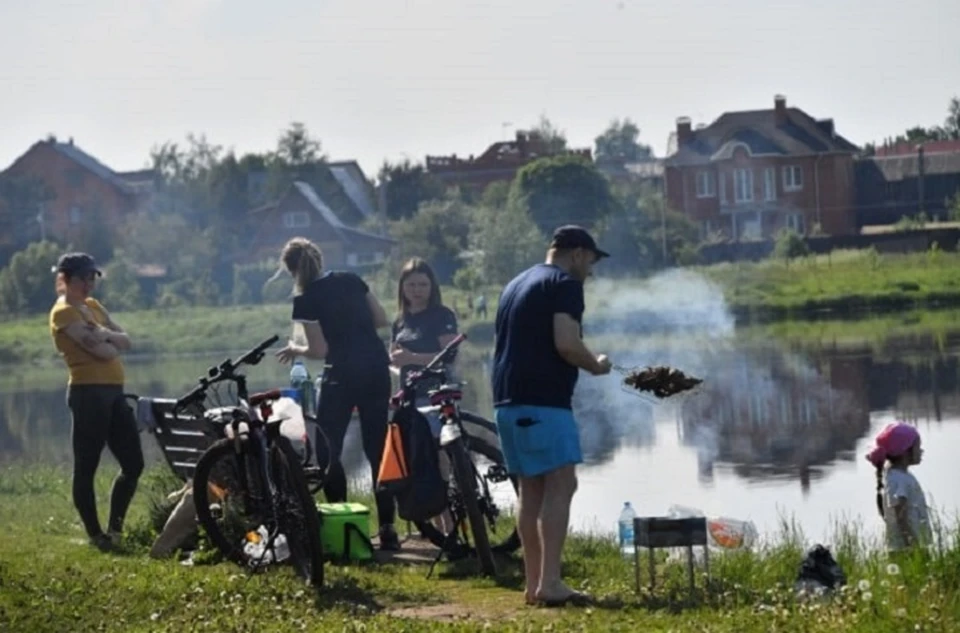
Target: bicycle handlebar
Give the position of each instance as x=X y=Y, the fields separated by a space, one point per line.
x=442 y=356
x=225 y=371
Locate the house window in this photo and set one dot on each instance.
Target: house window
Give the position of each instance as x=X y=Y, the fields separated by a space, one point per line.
x=706 y=185
x=76 y=215
x=723 y=186
x=795 y=222
x=743 y=185
x=769 y=184
x=296 y=219
x=364 y=259
x=792 y=178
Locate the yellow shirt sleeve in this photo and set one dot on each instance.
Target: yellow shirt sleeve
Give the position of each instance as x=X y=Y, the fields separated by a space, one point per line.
x=63 y=315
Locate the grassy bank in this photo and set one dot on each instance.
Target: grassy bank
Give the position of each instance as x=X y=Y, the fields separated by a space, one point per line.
x=52 y=581
x=843 y=281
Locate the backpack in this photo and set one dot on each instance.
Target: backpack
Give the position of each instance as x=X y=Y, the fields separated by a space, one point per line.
x=410 y=467
x=819 y=570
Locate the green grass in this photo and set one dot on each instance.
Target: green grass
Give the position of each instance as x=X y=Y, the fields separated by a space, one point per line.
x=843 y=280
x=51 y=581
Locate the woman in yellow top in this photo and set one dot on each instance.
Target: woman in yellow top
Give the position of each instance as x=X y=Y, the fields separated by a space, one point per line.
x=91 y=343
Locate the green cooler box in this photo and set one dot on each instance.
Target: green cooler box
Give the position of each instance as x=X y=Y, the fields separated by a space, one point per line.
x=345 y=531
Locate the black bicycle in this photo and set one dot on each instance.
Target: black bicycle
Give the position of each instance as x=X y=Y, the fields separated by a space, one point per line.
x=250 y=489
x=467 y=439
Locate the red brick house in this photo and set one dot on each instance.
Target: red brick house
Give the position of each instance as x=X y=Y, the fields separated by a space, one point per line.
x=301 y=212
x=80 y=186
x=500 y=162
x=749 y=174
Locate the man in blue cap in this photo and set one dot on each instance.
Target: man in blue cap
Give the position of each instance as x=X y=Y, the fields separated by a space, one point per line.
x=539 y=352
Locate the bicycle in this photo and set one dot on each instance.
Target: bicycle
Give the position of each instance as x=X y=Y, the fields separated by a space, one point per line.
x=469 y=496
x=252 y=479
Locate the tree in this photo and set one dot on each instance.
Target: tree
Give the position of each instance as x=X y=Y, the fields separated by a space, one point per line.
x=26 y=285
x=504 y=242
x=296 y=147
x=634 y=232
x=553 y=138
x=439 y=233
x=563 y=189
x=496 y=194
x=121 y=290
x=951 y=125
x=407 y=185
x=619 y=143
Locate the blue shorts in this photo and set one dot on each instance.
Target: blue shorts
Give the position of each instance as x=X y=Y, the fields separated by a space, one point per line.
x=536 y=440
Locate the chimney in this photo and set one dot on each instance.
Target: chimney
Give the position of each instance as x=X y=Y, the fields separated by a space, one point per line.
x=827 y=126
x=684 y=131
x=780 y=109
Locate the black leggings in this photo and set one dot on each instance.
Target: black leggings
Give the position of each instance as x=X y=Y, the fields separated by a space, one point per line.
x=102 y=417
x=369 y=392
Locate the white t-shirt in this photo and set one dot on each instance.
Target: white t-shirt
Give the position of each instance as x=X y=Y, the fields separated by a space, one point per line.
x=900 y=484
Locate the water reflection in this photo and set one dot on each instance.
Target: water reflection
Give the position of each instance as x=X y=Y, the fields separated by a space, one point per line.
x=763 y=412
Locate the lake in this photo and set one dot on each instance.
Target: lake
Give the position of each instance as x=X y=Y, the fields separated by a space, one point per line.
x=776 y=430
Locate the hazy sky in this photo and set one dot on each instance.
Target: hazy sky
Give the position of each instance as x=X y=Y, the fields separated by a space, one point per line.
x=377 y=79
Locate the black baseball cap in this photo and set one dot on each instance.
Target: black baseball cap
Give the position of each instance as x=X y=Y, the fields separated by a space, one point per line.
x=573 y=236
x=77 y=264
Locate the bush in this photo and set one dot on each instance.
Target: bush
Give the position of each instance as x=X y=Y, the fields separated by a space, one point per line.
x=790 y=245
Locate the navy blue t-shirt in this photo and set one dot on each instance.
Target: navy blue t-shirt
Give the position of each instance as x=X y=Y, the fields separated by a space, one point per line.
x=527 y=369
x=338 y=302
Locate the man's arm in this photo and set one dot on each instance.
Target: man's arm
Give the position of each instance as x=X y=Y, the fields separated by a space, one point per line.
x=91 y=339
x=566 y=338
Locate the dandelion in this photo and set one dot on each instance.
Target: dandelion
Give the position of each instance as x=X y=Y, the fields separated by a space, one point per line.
x=893 y=569
x=864 y=585
x=867 y=596
x=901 y=612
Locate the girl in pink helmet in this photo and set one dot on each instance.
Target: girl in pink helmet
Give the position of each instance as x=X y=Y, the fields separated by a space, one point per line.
x=900 y=498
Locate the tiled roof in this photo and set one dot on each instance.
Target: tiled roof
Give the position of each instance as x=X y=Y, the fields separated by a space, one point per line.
x=759 y=131
x=344 y=231
x=90 y=163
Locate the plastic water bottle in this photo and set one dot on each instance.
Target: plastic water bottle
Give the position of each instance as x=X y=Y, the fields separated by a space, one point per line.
x=625 y=524
x=300 y=380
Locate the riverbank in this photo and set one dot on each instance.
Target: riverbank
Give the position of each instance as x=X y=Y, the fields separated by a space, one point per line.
x=841 y=282
x=841 y=286
x=53 y=581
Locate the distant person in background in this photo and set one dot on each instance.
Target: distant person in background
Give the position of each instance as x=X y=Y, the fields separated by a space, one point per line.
x=537 y=356
x=900 y=499
x=482 y=306
x=340 y=317
x=91 y=343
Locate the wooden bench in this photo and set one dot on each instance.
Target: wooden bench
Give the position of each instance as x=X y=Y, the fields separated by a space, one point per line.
x=182 y=438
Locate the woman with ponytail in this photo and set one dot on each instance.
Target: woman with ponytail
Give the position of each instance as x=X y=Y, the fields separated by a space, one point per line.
x=900 y=499
x=340 y=317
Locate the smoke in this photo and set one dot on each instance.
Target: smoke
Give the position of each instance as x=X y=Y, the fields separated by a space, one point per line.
x=760 y=406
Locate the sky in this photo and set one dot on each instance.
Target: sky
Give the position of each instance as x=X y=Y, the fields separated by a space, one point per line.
x=395 y=79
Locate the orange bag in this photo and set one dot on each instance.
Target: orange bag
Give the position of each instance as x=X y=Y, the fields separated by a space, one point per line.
x=393 y=465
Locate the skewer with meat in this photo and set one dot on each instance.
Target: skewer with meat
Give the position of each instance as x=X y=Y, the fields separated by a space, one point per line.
x=661 y=381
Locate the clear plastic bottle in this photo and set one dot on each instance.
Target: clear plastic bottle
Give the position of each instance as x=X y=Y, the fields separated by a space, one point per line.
x=625 y=529
x=300 y=380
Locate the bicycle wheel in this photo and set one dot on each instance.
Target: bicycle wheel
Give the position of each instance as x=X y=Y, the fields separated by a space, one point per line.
x=465 y=475
x=482 y=442
x=229 y=496
x=297 y=512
